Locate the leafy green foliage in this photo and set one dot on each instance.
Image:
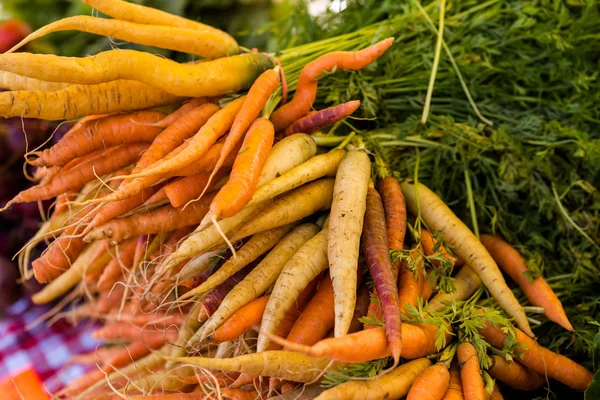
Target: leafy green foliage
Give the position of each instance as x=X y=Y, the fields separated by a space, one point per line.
x=358 y=370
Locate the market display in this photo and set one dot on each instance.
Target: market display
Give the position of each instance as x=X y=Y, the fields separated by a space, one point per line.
x=272 y=225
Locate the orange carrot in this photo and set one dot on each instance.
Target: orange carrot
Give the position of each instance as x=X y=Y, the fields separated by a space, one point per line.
x=110 y=131
x=496 y=395
x=239 y=394
x=370 y=344
x=361 y=308
x=320 y=119
x=257 y=97
x=109 y=300
x=163 y=219
x=409 y=285
x=113 y=159
x=537 y=290
x=243 y=178
x=306 y=89
x=62 y=201
x=541 y=360
x=514 y=374
x=431 y=384
x=183 y=190
x=454 y=391
x=317 y=317
x=128 y=331
x=182 y=110
x=114 y=269
x=470 y=372
x=240 y=321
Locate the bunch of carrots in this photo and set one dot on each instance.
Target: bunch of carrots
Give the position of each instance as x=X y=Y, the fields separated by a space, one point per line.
x=227 y=254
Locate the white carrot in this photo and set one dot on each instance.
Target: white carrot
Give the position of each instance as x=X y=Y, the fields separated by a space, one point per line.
x=345 y=228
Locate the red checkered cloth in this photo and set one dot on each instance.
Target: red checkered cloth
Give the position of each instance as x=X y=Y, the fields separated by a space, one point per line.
x=46 y=348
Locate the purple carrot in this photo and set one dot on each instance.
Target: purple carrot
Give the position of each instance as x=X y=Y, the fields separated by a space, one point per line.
x=213 y=300
x=377 y=255
x=320 y=119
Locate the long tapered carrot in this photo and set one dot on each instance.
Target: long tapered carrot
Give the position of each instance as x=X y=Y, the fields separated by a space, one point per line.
x=183 y=109
x=466 y=282
x=240 y=321
x=207 y=44
x=306 y=89
x=11 y=81
x=110 y=131
x=114 y=159
x=377 y=255
x=455 y=391
x=514 y=374
x=537 y=290
x=188 y=188
x=244 y=175
x=320 y=119
x=257 y=97
x=438 y=216
x=128 y=331
x=371 y=344
x=470 y=372
x=81 y=100
x=165 y=219
x=210 y=78
x=541 y=360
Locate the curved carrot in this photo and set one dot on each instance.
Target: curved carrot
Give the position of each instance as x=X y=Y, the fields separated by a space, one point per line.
x=80 y=100
x=112 y=160
x=470 y=373
x=538 y=292
x=320 y=119
x=541 y=360
x=431 y=384
x=188 y=188
x=377 y=255
x=306 y=90
x=109 y=131
x=243 y=178
x=240 y=321
x=204 y=43
x=257 y=97
x=455 y=391
x=514 y=374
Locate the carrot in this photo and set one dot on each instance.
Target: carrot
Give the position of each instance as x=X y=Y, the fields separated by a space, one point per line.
x=163 y=219
x=128 y=331
x=80 y=100
x=455 y=391
x=541 y=360
x=371 y=344
x=10 y=81
x=186 y=80
x=439 y=217
x=496 y=395
x=431 y=384
x=181 y=191
x=277 y=363
x=537 y=290
x=110 y=131
x=466 y=282
x=207 y=44
x=239 y=394
x=431 y=246
x=171 y=396
x=306 y=89
x=377 y=255
x=320 y=119
x=213 y=300
x=176 y=132
x=306 y=264
x=317 y=317
x=207 y=163
x=240 y=321
x=132 y=12
x=361 y=309
x=256 y=99
x=346 y=223
x=470 y=373
x=114 y=269
x=393 y=385
x=183 y=109
x=114 y=159
x=243 y=178
x=261 y=277
x=514 y=374
x=291 y=207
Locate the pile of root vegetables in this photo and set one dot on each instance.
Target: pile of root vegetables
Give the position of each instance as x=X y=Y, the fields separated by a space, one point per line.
x=229 y=255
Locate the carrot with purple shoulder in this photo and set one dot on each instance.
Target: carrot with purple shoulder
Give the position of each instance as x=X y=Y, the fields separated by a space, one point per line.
x=320 y=119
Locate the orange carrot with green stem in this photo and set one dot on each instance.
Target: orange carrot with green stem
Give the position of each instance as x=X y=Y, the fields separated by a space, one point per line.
x=306 y=89
x=454 y=391
x=109 y=131
x=320 y=119
x=470 y=372
x=243 y=178
x=434 y=381
x=377 y=255
x=256 y=99
x=537 y=290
